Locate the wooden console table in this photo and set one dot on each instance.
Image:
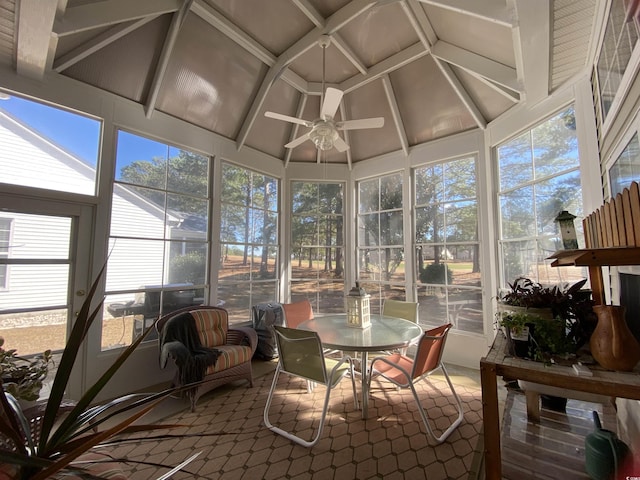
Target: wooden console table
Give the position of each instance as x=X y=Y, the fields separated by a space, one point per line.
x=499 y=363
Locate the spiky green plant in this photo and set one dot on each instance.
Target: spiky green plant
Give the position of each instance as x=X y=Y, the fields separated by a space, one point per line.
x=61 y=443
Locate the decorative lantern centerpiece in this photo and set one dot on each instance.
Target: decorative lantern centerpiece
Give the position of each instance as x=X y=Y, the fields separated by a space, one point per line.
x=567 y=230
x=358 y=308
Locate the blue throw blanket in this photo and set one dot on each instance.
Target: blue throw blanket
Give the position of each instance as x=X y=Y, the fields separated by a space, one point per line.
x=179 y=340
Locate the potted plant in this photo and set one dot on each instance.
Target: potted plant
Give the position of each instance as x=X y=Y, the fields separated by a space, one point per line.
x=23 y=377
x=58 y=445
x=567 y=307
x=534 y=337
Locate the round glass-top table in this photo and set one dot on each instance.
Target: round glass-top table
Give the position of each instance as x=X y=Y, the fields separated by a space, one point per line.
x=384 y=333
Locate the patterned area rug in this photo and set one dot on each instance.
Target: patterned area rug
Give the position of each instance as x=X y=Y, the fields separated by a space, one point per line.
x=228 y=432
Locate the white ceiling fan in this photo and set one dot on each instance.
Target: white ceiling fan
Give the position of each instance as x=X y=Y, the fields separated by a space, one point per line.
x=324 y=130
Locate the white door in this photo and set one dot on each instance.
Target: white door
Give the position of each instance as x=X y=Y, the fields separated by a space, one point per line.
x=44 y=262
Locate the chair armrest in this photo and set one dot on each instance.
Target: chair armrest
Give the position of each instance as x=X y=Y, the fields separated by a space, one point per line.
x=243 y=335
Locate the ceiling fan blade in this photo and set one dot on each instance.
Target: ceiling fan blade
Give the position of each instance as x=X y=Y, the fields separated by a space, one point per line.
x=375 y=122
x=287 y=118
x=332 y=98
x=340 y=145
x=298 y=141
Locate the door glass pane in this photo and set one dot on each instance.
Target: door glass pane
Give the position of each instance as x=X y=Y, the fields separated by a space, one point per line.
x=34 y=299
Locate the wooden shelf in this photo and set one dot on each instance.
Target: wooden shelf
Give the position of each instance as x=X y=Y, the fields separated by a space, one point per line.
x=597 y=257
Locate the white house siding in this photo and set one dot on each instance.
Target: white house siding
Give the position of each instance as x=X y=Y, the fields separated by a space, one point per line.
x=29 y=160
x=36 y=237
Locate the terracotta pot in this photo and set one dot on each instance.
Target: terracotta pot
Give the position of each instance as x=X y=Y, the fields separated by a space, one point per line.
x=612 y=344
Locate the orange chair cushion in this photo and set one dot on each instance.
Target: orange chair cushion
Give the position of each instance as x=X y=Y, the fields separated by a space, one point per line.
x=231 y=356
x=212 y=326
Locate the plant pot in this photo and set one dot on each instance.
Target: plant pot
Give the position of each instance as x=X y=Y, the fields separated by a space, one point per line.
x=612 y=344
x=519 y=343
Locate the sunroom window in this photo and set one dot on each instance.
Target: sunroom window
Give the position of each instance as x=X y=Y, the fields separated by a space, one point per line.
x=248 y=272
x=449 y=281
x=381 y=255
x=159 y=239
x=317 y=245
x=539 y=177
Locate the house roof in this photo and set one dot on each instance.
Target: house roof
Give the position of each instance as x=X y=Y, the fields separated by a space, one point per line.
x=430 y=68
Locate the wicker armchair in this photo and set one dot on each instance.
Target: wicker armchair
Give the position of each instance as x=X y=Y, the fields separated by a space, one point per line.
x=236 y=346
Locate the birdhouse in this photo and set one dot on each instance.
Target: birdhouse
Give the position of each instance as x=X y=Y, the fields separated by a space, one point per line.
x=567 y=230
x=358 y=315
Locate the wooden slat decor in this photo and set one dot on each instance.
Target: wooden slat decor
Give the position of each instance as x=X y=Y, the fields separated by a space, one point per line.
x=616 y=223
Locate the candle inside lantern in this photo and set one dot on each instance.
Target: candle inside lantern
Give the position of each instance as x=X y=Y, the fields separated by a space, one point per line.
x=358 y=314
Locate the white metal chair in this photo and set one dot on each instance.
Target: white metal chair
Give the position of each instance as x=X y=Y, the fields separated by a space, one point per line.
x=404 y=372
x=301 y=355
x=401 y=309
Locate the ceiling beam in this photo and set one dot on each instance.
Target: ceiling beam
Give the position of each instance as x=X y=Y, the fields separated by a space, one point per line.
x=100 y=14
x=296 y=128
x=167 y=49
x=336 y=21
x=505 y=92
x=384 y=67
x=99 y=42
x=532 y=47
x=395 y=114
x=318 y=20
x=420 y=22
x=462 y=93
x=467 y=60
x=489 y=10
x=35 y=40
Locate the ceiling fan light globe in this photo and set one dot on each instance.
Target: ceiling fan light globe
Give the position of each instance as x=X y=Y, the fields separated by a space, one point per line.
x=323 y=137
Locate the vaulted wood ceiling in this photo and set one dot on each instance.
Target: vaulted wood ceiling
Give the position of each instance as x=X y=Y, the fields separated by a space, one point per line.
x=431 y=68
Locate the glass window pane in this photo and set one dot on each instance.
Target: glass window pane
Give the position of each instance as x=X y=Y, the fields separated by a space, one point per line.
x=137 y=212
x=369 y=196
x=460 y=179
x=187 y=172
x=368 y=229
x=234 y=225
x=555 y=195
x=555 y=145
x=235 y=185
x=330 y=198
x=46 y=147
x=391 y=229
x=517 y=212
x=141 y=161
x=516 y=163
x=234 y=264
x=134 y=263
x=429 y=184
x=461 y=222
x=626 y=168
x=391 y=192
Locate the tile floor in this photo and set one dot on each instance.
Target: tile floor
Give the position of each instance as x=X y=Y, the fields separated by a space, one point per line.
x=390 y=444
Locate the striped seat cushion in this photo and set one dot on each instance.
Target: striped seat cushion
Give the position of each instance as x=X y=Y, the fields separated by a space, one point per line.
x=231 y=356
x=212 y=326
